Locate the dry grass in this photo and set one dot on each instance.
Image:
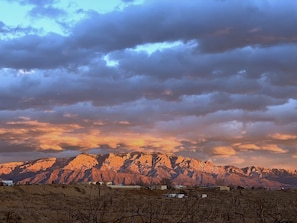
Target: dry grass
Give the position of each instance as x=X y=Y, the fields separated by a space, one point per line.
x=91 y=204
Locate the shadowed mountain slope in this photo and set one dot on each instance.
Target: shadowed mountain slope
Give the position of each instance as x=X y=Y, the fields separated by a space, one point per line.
x=145 y=168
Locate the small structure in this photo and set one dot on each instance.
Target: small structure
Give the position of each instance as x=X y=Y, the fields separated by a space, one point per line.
x=174 y=195
x=217 y=188
x=178 y=186
x=92 y=182
x=224 y=188
x=162 y=187
x=203 y=195
x=180 y=195
x=170 y=195
x=158 y=187
x=124 y=186
x=7 y=183
x=102 y=183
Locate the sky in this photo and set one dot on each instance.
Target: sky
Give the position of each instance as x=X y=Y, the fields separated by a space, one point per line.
x=210 y=79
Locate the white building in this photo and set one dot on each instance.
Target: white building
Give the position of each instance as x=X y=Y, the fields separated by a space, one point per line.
x=178 y=186
x=174 y=195
x=7 y=182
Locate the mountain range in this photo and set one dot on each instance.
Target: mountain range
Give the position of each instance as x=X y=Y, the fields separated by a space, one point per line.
x=143 y=168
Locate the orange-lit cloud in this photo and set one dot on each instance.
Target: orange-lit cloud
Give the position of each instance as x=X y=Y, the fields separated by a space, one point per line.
x=266 y=147
x=279 y=136
x=274 y=148
x=46 y=136
x=223 y=151
x=248 y=146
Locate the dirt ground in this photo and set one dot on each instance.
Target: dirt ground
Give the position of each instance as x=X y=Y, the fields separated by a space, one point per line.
x=93 y=204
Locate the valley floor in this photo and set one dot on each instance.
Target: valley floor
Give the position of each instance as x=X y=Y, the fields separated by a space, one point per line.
x=92 y=203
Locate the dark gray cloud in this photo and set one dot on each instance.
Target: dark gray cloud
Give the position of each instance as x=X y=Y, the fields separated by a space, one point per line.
x=157 y=21
x=217 y=25
x=224 y=91
x=33 y=51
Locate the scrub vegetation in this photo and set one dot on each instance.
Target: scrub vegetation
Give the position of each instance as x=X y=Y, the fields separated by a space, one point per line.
x=97 y=204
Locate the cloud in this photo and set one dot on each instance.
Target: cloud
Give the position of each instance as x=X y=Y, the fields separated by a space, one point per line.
x=223 y=151
x=223 y=29
x=35 y=2
x=42 y=8
x=283 y=136
x=214 y=79
x=46 y=11
x=33 y=51
x=266 y=147
x=44 y=136
x=13 y=31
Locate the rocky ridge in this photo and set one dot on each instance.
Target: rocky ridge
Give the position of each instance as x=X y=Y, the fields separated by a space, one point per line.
x=144 y=168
